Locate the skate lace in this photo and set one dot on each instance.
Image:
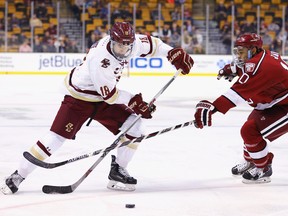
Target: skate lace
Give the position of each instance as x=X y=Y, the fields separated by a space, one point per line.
x=16 y=179
x=256 y=172
x=243 y=166
x=123 y=171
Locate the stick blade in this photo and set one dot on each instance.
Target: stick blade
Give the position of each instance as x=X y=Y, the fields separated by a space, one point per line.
x=42 y=164
x=33 y=160
x=37 y=162
x=50 y=189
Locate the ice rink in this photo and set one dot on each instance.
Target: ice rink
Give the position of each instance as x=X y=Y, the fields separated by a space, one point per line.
x=185 y=172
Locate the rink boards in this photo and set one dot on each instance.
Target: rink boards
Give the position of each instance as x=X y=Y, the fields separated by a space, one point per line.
x=61 y=63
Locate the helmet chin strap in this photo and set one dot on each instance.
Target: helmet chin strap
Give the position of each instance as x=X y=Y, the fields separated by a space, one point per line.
x=249 y=54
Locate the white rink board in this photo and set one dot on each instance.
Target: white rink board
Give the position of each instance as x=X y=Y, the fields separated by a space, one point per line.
x=58 y=63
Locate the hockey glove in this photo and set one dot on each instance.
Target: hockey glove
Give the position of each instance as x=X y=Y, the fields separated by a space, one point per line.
x=181 y=60
x=139 y=106
x=203 y=114
x=228 y=72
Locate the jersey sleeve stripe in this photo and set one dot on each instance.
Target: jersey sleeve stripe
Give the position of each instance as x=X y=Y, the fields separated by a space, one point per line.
x=259 y=63
x=234 y=97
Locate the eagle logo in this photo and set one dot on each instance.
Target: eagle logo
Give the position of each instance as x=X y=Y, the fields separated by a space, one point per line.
x=105 y=63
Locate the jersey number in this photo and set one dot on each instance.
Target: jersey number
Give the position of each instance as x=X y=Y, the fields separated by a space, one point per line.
x=244 y=78
x=144 y=39
x=104 y=91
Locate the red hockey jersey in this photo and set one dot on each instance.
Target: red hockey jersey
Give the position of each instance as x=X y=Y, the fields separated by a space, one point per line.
x=262 y=83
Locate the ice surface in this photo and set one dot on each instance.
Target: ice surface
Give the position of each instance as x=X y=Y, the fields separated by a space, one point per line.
x=180 y=173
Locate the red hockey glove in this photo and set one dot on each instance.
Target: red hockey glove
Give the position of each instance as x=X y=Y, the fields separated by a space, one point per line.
x=181 y=60
x=203 y=114
x=228 y=72
x=139 y=106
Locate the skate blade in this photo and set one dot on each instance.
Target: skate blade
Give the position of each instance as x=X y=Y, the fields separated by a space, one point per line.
x=258 y=181
x=236 y=176
x=118 y=186
x=5 y=190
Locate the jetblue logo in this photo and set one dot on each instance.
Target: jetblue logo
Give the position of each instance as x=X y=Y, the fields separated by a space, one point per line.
x=146 y=63
x=58 y=61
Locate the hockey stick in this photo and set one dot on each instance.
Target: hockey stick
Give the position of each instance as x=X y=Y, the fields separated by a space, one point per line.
x=50 y=189
x=47 y=165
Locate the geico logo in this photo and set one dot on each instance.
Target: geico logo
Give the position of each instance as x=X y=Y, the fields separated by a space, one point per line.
x=146 y=63
x=58 y=61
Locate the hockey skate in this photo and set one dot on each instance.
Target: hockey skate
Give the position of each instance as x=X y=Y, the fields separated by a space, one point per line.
x=11 y=183
x=240 y=168
x=120 y=178
x=259 y=175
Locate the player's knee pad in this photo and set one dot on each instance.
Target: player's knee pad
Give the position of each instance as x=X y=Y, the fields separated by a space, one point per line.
x=250 y=133
x=137 y=130
x=47 y=145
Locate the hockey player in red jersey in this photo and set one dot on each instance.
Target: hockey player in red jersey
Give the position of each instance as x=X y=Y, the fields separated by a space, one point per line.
x=262 y=81
x=91 y=92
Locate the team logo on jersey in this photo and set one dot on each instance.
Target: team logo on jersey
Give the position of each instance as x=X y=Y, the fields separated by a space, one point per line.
x=69 y=127
x=249 y=67
x=105 y=63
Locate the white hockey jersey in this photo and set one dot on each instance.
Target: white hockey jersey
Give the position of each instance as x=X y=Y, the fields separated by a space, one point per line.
x=95 y=79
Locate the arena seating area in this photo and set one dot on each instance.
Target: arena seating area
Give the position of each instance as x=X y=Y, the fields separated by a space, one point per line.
x=146 y=21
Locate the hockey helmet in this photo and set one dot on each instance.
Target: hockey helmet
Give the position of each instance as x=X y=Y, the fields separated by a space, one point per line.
x=243 y=48
x=122 y=32
x=249 y=40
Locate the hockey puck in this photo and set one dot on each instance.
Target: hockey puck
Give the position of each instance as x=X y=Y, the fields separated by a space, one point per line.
x=130 y=205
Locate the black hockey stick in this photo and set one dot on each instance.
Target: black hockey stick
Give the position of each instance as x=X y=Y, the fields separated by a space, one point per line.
x=48 y=165
x=50 y=189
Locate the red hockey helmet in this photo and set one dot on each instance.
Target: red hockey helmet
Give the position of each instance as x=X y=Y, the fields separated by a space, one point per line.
x=122 y=32
x=243 y=49
x=249 y=40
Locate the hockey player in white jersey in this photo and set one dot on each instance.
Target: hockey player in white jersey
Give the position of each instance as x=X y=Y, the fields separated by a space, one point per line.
x=92 y=93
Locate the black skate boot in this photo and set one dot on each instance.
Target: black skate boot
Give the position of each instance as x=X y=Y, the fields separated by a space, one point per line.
x=12 y=183
x=240 y=168
x=119 y=175
x=259 y=175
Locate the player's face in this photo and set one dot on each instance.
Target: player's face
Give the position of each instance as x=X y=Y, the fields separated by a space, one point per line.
x=121 y=51
x=240 y=55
